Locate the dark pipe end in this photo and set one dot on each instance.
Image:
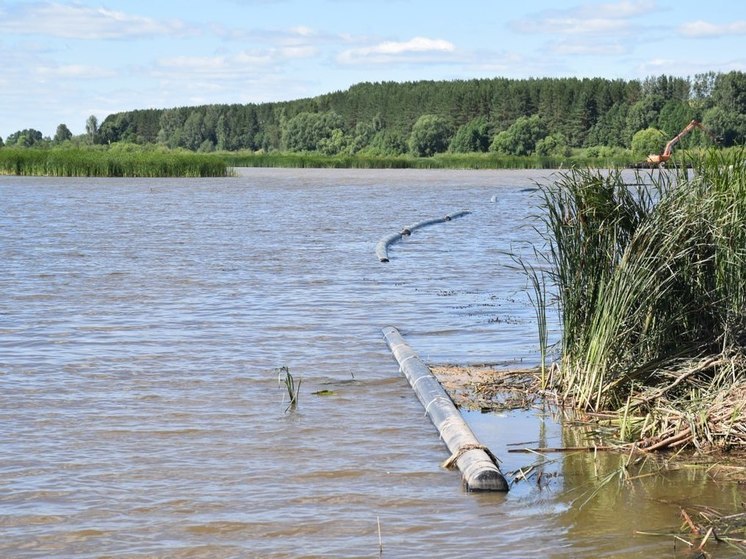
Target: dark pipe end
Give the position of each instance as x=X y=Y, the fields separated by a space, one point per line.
x=488 y=480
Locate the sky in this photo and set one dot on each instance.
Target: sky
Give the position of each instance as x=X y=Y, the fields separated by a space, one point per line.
x=62 y=61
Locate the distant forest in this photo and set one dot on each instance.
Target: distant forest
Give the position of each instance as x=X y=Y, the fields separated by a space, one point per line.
x=543 y=116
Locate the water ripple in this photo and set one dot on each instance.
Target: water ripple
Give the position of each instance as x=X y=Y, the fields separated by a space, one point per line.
x=141 y=327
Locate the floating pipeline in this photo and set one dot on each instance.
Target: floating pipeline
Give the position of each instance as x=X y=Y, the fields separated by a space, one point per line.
x=383 y=245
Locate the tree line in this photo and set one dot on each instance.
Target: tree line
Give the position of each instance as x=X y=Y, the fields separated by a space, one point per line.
x=544 y=116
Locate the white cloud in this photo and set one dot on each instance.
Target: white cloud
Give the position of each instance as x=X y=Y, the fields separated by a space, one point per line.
x=705 y=29
x=195 y=68
x=76 y=71
x=248 y=58
x=621 y=9
x=689 y=66
x=294 y=35
x=300 y=51
x=659 y=63
x=191 y=63
x=588 y=19
x=303 y=31
x=574 y=26
x=393 y=51
x=418 y=44
x=594 y=48
x=230 y=66
x=490 y=63
x=75 y=21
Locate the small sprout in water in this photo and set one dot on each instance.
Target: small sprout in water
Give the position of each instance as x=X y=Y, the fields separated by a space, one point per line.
x=284 y=377
x=325 y=393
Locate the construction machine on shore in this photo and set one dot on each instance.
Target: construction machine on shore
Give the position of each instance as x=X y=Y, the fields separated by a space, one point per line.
x=665 y=155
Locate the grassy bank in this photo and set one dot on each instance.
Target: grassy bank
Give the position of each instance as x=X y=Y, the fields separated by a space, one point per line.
x=130 y=160
x=89 y=162
x=439 y=161
x=650 y=279
x=135 y=161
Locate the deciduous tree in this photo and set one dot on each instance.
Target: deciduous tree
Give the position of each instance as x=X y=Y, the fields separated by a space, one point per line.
x=648 y=141
x=431 y=134
x=728 y=126
x=521 y=137
x=25 y=138
x=474 y=136
x=171 y=121
x=62 y=134
x=307 y=131
x=386 y=143
x=91 y=128
x=553 y=145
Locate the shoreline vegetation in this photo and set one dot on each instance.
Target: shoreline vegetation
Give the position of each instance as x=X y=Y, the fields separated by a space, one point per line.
x=96 y=162
x=649 y=281
x=438 y=161
x=130 y=160
x=495 y=123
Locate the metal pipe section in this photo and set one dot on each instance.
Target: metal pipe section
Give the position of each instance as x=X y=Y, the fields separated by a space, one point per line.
x=479 y=469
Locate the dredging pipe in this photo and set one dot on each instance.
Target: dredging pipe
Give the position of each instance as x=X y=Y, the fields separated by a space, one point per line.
x=383 y=245
x=478 y=466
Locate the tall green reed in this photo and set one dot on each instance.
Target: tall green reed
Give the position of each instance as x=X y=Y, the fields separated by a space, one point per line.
x=647 y=273
x=90 y=162
x=439 y=161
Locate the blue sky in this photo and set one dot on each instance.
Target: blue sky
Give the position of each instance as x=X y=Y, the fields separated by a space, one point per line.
x=63 y=61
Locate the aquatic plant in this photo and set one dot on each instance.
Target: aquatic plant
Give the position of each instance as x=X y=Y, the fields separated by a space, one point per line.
x=702 y=525
x=538 y=297
x=439 y=161
x=93 y=162
x=284 y=377
x=650 y=279
x=380 y=538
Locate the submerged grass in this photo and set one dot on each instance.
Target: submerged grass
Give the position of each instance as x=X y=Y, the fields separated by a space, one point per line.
x=651 y=285
x=89 y=162
x=705 y=527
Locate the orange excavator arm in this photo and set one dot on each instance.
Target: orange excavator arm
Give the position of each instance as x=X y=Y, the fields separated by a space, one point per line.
x=665 y=155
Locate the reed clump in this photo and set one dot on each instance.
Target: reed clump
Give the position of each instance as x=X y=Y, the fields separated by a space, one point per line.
x=650 y=279
x=90 y=162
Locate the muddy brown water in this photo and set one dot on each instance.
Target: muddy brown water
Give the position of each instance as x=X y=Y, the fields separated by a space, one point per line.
x=141 y=326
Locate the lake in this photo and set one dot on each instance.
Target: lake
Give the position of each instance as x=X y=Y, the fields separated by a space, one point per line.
x=142 y=326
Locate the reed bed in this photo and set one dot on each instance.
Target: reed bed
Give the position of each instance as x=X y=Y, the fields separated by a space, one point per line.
x=88 y=162
x=650 y=279
x=130 y=160
x=439 y=161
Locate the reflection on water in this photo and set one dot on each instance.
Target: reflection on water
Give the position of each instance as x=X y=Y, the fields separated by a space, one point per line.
x=141 y=326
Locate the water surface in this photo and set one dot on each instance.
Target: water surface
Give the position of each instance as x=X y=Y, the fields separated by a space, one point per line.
x=142 y=324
